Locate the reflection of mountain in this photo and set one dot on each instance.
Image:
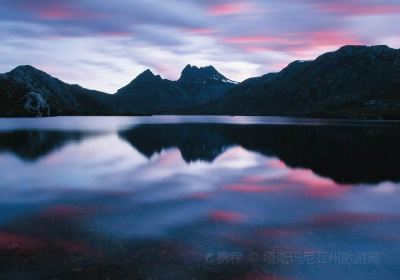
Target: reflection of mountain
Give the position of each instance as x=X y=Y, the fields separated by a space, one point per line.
x=347 y=154
x=195 y=142
x=33 y=144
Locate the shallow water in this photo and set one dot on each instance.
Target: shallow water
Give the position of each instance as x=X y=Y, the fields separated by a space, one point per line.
x=198 y=198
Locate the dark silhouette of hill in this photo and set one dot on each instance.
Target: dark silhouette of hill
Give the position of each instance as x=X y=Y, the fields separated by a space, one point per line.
x=352 y=82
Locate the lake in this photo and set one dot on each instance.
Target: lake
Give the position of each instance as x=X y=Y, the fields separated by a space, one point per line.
x=199 y=198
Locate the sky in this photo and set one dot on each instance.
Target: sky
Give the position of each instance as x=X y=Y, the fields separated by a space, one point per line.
x=104 y=44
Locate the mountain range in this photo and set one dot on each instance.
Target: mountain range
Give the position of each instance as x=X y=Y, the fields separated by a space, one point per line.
x=352 y=82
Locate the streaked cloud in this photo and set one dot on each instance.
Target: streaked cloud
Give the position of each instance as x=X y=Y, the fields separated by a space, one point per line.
x=225 y=9
x=105 y=44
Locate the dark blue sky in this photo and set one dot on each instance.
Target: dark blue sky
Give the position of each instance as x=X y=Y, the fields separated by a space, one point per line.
x=105 y=44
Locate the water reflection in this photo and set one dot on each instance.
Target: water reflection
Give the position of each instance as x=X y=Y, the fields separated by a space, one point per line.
x=347 y=154
x=200 y=201
x=31 y=145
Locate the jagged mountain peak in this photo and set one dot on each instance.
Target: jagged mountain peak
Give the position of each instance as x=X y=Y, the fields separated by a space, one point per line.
x=145 y=79
x=190 y=70
x=195 y=68
x=193 y=74
x=147 y=75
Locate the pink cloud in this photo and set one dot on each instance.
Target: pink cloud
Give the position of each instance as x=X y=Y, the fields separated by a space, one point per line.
x=201 y=31
x=251 y=39
x=332 y=37
x=354 y=9
x=115 y=33
x=309 y=44
x=229 y=9
x=256 y=49
x=59 y=11
x=56 y=13
x=303 y=45
x=277 y=66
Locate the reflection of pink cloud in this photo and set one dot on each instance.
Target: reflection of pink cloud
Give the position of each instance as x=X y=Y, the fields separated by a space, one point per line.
x=169 y=159
x=66 y=211
x=354 y=9
x=248 y=188
x=226 y=216
x=336 y=219
x=277 y=164
x=315 y=186
x=253 y=179
x=240 y=239
x=74 y=247
x=199 y=195
x=229 y=9
x=19 y=242
x=262 y=276
x=279 y=233
x=325 y=193
x=307 y=177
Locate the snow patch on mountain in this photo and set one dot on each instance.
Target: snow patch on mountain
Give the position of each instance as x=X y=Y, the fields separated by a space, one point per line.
x=35 y=103
x=230 y=81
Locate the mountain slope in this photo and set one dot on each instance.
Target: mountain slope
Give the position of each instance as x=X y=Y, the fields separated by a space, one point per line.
x=150 y=94
x=352 y=82
x=27 y=91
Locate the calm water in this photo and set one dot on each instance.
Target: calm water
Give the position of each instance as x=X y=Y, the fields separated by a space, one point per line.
x=198 y=198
